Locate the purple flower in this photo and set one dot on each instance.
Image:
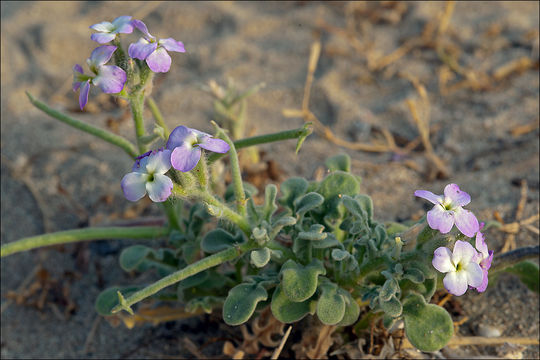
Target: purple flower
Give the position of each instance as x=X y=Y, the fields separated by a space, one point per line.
x=483 y=258
x=448 y=210
x=152 y=50
x=108 y=31
x=460 y=266
x=109 y=78
x=186 y=144
x=148 y=176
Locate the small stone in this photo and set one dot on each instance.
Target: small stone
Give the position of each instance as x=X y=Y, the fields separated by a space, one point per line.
x=488 y=331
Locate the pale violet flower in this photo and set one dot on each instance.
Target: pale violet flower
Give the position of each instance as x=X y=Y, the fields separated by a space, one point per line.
x=483 y=258
x=152 y=50
x=109 y=78
x=460 y=267
x=186 y=144
x=448 y=210
x=107 y=31
x=148 y=176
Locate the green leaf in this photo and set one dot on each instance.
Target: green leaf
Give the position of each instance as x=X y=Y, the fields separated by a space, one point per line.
x=108 y=298
x=340 y=162
x=328 y=242
x=288 y=311
x=340 y=255
x=241 y=302
x=299 y=283
x=339 y=183
x=249 y=191
x=315 y=233
x=331 y=305
x=260 y=257
x=352 y=310
x=414 y=275
x=306 y=131
x=427 y=326
x=527 y=272
x=389 y=288
x=270 y=206
x=133 y=257
x=366 y=204
x=392 y=307
x=307 y=202
x=291 y=189
x=217 y=240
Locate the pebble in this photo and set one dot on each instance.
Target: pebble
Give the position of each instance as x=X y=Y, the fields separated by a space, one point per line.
x=488 y=331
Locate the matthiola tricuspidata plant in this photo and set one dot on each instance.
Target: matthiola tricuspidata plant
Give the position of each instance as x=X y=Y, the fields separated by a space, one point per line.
x=305 y=248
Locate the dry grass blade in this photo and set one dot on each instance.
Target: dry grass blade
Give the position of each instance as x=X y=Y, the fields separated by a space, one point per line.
x=513 y=228
x=276 y=353
x=156 y=316
x=525 y=129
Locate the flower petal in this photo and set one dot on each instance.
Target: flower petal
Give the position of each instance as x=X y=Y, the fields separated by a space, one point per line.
x=456 y=282
x=142 y=27
x=141 y=49
x=172 y=45
x=134 y=185
x=159 y=60
x=440 y=219
x=475 y=274
x=111 y=79
x=429 y=196
x=484 y=284
x=102 y=38
x=103 y=26
x=215 y=145
x=101 y=55
x=442 y=260
x=463 y=253
x=122 y=24
x=458 y=197
x=185 y=157
x=159 y=162
x=466 y=222
x=83 y=96
x=180 y=135
x=159 y=189
x=480 y=244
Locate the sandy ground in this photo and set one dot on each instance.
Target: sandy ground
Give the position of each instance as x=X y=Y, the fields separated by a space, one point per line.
x=56 y=178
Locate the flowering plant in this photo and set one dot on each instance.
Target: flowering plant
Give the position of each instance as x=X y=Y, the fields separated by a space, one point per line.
x=314 y=249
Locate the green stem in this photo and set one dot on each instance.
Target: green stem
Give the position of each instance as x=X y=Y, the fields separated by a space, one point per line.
x=136 y=102
x=114 y=139
x=201 y=172
x=190 y=270
x=263 y=139
x=224 y=211
x=69 y=236
x=171 y=212
x=157 y=115
x=239 y=194
x=513 y=257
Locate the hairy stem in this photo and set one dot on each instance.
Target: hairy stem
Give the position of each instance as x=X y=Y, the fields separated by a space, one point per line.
x=222 y=210
x=190 y=270
x=513 y=257
x=136 y=102
x=70 y=236
x=109 y=137
x=157 y=115
x=263 y=139
x=239 y=193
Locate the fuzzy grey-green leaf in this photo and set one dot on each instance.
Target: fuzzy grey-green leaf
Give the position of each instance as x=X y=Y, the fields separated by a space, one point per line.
x=340 y=162
x=331 y=305
x=132 y=257
x=241 y=302
x=299 y=283
x=427 y=326
x=260 y=257
x=286 y=310
x=217 y=240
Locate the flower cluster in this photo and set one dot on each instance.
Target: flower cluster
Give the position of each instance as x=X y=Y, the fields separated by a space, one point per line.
x=465 y=266
x=183 y=152
x=111 y=78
